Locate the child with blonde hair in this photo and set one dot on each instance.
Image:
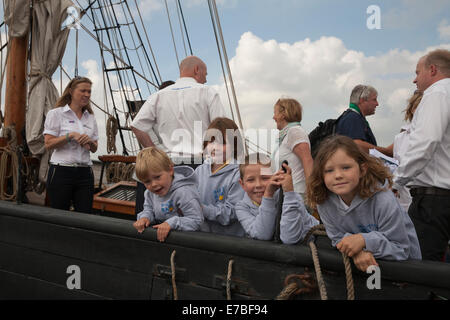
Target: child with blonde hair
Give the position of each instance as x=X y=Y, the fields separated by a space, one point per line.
x=171 y=200
x=362 y=217
x=258 y=210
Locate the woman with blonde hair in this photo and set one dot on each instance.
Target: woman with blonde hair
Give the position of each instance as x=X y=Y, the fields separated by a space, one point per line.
x=401 y=142
x=293 y=143
x=70 y=131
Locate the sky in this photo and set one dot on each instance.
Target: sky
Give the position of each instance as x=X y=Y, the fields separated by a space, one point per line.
x=313 y=51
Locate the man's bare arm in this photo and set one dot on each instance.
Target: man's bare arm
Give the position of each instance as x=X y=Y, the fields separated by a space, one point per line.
x=365 y=146
x=143 y=138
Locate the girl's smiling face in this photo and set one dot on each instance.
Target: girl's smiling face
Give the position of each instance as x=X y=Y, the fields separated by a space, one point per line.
x=341 y=175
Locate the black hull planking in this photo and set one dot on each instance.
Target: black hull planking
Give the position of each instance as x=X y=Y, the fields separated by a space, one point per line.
x=38 y=244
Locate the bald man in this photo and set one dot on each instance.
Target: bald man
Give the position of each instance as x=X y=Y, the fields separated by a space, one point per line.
x=425 y=166
x=180 y=114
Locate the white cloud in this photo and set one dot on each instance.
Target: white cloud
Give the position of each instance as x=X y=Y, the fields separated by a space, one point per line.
x=320 y=75
x=444 y=30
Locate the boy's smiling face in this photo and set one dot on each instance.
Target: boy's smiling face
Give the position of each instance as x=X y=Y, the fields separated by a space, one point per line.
x=160 y=182
x=255 y=180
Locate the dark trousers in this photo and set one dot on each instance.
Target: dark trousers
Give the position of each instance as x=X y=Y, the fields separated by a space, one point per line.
x=431 y=217
x=70 y=185
x=140 y=189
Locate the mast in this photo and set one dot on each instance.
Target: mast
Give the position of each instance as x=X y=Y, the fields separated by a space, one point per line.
x=16 y=85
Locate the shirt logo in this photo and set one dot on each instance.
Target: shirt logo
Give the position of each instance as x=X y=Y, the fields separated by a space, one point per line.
x=219 y=194
x=167 y=207
x=71 y=121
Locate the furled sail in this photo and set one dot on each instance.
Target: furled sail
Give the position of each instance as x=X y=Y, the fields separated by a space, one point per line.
x=17 y=17
x=49 y=38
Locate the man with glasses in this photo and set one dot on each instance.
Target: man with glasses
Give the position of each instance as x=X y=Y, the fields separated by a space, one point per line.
x=353 y=123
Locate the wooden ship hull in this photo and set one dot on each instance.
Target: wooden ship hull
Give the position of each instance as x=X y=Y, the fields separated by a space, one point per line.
x=38 y=246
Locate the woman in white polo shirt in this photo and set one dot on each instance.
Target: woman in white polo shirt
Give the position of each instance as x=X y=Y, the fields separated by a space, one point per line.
x=70 y=130
x=293 y=143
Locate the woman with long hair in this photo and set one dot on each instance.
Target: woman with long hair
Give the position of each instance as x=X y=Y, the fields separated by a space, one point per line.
x=70 y=131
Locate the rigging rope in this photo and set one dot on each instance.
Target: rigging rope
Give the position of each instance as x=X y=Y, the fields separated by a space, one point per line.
x=185 y=29
x=226 y=61
x=220 y=58
x=230 y=269
x=172 y=267
x=148 y=41
x=181 y=28
x=320 y=230
x=171 y=31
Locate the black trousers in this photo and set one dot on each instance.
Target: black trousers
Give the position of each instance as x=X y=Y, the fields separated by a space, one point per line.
x=431 y=217
x=70 y=185
x=140 y=189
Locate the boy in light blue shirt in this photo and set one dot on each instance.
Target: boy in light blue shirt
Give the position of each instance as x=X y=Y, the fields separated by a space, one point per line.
x=171 y=200
x=257 y=211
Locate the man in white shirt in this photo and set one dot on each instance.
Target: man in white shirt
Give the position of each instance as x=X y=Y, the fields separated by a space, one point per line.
x=180 y=113
x=426 y=165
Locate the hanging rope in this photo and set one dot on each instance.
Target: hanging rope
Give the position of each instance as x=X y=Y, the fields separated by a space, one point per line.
x=348 y=277
x=9 y=165
x=111 y=131
x=320 y=282
x=230 y=269
x=319 y=230
x=172 y=267
x=76 y=53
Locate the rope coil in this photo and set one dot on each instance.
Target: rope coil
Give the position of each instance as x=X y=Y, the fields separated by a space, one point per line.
x=291 y=287
x=9 y=159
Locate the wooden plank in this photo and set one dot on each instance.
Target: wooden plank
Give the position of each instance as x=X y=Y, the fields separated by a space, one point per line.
x=117 y=158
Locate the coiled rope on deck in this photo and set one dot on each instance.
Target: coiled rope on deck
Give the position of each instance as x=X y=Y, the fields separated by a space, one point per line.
x=9 y=159
x=119 y=171
x=291 y=288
